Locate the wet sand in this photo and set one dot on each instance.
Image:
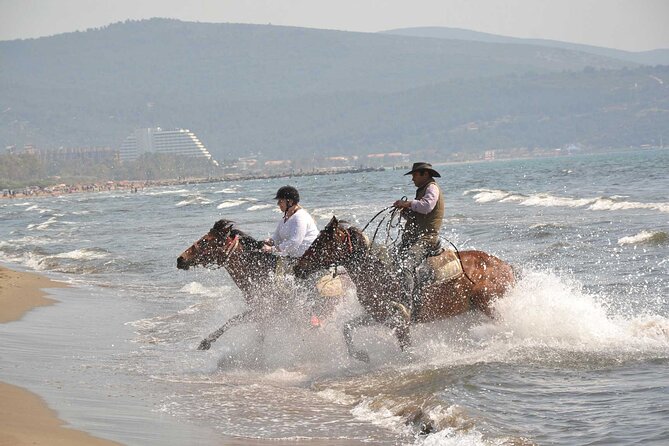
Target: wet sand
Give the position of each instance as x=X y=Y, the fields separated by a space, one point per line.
x=24 y=418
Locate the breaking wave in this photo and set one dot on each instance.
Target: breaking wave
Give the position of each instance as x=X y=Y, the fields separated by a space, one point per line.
x=614 y=203
x=645 y=238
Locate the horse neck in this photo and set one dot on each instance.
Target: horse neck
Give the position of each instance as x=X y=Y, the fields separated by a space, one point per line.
x=245 y=270
x=366 y=269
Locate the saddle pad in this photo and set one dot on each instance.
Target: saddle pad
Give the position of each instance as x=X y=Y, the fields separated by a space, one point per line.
x=445 y=266
x=329 y=286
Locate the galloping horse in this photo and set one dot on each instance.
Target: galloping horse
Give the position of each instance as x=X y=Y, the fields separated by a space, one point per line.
x=485 y=278
x=250 y=268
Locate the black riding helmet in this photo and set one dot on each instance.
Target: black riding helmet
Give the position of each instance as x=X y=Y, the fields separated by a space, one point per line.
x=288 y=193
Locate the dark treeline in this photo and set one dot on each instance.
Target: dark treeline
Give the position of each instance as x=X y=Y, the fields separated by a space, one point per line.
x=17 y=171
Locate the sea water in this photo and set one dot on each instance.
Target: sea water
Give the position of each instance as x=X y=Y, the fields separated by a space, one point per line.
x=578 y=355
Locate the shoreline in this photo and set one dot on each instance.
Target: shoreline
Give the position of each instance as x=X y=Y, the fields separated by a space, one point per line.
x=25 y=419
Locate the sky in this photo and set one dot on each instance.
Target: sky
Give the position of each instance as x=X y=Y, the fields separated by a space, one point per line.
x=633 y=25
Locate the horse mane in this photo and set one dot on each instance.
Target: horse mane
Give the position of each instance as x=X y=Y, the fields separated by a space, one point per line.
x=222 y=226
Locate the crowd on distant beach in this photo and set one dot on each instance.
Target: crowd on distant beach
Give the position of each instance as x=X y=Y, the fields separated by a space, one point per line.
x=61 y=189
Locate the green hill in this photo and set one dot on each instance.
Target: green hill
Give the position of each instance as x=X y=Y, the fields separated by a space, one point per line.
x=290 y=92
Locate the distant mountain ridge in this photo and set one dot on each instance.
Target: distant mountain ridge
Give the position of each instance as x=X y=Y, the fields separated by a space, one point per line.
x=295 y=92
x=652 y=57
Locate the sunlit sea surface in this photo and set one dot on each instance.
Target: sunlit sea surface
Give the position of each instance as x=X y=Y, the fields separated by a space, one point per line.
x=579 y=355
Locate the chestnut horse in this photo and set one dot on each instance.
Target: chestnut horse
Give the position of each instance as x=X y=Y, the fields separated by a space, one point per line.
x=485 y=278
x=251 y=269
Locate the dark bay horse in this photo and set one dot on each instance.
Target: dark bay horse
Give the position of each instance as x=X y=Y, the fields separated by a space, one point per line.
x=486 y=278
x=251 y=269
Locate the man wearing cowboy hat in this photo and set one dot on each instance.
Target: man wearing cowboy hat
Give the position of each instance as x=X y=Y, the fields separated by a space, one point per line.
x=424 y=216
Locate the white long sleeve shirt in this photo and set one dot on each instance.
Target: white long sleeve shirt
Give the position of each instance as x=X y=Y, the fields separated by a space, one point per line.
x=293 y=236
x=428 y=202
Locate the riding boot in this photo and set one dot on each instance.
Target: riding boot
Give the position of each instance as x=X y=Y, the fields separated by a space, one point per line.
x=404 y=306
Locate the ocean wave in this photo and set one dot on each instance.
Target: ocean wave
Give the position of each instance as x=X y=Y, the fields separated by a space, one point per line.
x=40 y=210
x=44 y=225
x=257 y=207
x=193 y=200
x=29 y=259
x=613 y=203
x=196 y=288
x=429 y=421
x=610 y=204
x=230 y=203
x=82 y=254
x=645 y=238
x=227 y=190
x=337 y=397
x=167 y=192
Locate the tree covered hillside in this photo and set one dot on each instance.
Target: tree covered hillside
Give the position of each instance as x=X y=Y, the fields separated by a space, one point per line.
x=288 y=92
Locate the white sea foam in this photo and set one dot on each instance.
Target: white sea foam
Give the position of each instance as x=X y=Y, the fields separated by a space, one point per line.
x=44 y=225
x=29 y=259
x=452 y=437
x=194 y=200
x=227 y=190
x=81 y=254
x=614 y=203
x=369 y=410
x=337 y=397
x=609 y=204
x=197 y=288
x=645 y=237
x=257 y=207
x=548 y=200
x=230 y=203
x=528 y=316
x=40 y=210
x=167 y=192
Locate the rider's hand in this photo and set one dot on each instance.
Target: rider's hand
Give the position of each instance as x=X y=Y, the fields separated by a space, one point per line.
x=266 y=248
x=402 y=204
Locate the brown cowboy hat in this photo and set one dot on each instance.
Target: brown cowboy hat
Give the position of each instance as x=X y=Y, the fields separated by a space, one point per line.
x=423 y=166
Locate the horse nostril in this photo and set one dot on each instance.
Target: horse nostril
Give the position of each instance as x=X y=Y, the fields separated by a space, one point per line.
x=181 y=263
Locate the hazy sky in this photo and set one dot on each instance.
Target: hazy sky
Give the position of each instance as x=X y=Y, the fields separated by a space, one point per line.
x=633 y=25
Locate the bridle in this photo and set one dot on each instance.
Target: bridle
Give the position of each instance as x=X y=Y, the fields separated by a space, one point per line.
x=221 y=251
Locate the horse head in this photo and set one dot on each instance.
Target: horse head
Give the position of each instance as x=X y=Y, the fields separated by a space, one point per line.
x=213 y=248
x=335 y=245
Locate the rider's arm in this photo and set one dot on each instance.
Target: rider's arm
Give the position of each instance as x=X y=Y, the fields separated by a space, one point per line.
x=428 y=202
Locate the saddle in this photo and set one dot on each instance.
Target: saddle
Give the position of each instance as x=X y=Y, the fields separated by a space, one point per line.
x=441 y=265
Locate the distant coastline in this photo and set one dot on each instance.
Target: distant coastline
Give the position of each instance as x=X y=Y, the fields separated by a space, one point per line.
x=135 y=186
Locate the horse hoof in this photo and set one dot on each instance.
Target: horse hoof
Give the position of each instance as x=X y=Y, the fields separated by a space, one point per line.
x=360 y=356
x=204 y=345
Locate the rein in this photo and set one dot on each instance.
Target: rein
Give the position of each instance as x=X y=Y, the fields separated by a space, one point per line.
x=394 y=212
x=390 y=226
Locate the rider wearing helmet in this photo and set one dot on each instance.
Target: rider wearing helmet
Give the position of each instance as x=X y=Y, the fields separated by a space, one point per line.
x=296 y=230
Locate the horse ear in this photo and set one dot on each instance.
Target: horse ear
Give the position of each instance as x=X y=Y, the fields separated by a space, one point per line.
x=333 y=222
x=222 y=226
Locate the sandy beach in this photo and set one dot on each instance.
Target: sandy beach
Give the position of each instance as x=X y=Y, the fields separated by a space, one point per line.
x=24 y=418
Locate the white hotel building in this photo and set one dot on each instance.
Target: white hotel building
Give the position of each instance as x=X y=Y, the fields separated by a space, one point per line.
x=181 y=142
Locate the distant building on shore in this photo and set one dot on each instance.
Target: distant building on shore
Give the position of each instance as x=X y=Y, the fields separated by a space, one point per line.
x=180 y=142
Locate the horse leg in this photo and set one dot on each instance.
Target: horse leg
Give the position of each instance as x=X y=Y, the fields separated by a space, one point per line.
x=239 y=319
x=360 y=321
